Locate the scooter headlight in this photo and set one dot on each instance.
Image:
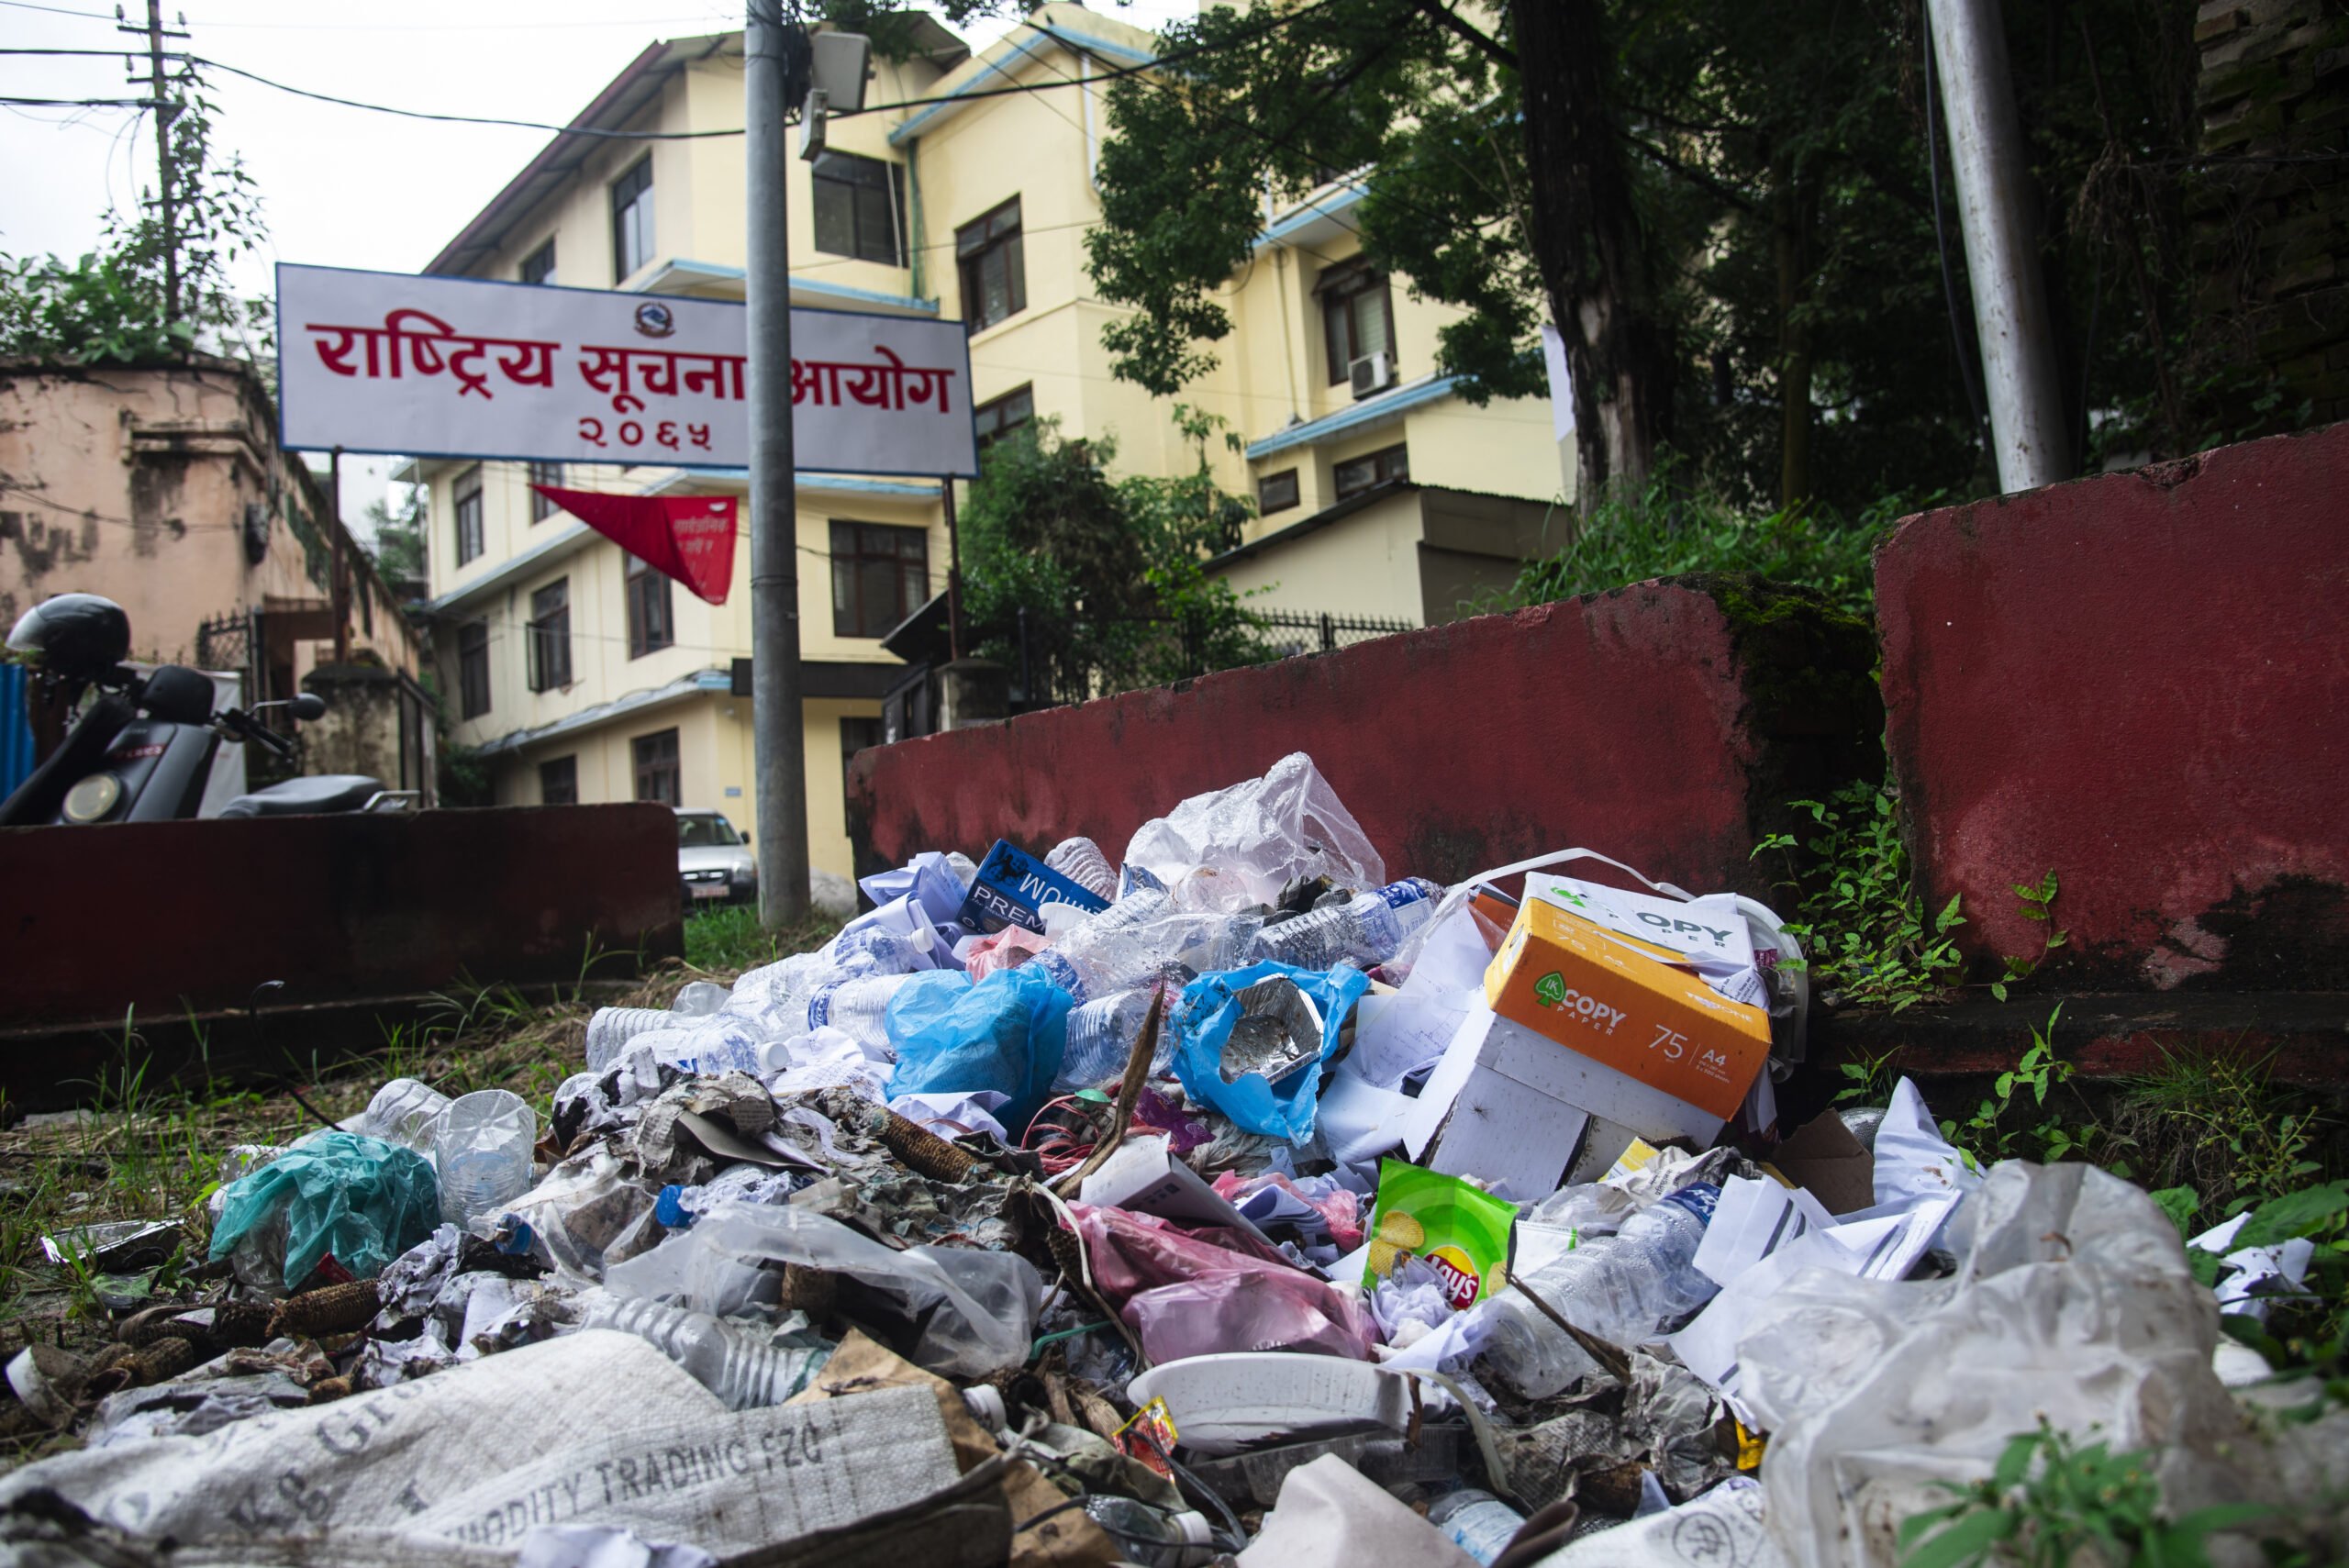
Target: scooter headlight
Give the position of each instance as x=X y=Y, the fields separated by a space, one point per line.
x=90 y=800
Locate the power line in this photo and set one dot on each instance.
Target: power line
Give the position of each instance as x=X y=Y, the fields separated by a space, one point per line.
x=463 y=119
x=57 y=10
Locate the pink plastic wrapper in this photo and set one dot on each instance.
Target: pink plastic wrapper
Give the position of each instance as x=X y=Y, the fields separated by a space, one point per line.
x=1006 y=949
x=1338 y=1208
x=1128 y=1252
x=1288 y=1311
x=1183 y=1133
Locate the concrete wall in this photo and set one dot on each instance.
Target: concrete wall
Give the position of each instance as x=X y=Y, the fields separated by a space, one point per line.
x=136 y=484
x=1666 y=724
x=2140 y=682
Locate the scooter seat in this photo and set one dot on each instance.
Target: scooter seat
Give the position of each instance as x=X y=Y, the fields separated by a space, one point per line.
x=307 y=796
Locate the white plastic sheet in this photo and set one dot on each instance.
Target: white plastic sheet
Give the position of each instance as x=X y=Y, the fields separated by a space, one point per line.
x=1257 y=836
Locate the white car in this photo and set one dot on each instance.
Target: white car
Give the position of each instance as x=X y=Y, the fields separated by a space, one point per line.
x=713 y=859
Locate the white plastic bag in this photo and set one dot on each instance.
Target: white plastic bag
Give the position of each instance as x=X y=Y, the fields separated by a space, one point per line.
x=2073 y=1303
x=1250 y=840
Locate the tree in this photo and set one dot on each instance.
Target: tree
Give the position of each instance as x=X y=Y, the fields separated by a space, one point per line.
x=113 y=304
x=397 y=546
x=1084 y=586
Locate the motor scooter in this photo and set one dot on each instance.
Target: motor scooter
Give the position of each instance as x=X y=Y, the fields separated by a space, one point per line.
x=142 y=749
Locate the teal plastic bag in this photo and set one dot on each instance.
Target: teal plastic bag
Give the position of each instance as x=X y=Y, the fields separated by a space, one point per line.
x=1005 y=1033
x=361 y=1199
x=1211 y=1007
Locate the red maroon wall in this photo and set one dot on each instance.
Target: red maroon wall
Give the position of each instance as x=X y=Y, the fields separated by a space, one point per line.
x=2141 y=683
x=1624 y=723
x=175 y=917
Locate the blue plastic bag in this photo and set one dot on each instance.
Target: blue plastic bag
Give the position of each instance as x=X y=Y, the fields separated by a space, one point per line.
x=1005 y=1033
x=361 y=1199
x=1211 y=1007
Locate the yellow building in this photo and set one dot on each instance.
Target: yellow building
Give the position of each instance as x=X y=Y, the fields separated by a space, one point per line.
x=582 y=678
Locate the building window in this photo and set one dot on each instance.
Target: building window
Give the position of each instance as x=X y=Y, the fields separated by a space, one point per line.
x=632 y=220
x=1359 y=475
x=880 y=575
x=558 y=781
x=467 y=491
x=538 y=267
x=1006 y=414
x=1357 y=314
x=656 y=767
x=544 y=474
x=472 y=668
x=995 y=276
x=859 y=208
x=650 y=627
x=550 y=635
x=1276 y=492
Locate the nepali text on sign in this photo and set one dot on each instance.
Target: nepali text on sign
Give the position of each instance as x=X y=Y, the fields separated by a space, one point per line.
x=460 y=367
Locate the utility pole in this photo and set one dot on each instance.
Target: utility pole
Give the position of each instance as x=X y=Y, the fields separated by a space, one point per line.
x=779 y=744
x=166 y=111
x=2027 y=429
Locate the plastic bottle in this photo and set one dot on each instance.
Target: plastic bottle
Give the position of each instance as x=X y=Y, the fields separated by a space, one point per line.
x=733 y=1361
x=1082 y=861
x=1101 y=1036
x=1366 y=928
x=1478 y=1522
x=481 y=1153
x=1113 y=950
x=858 y=1008
x=1152 y=1537
x=699 y=998
x=1622 y=1288
x=610 y=1028
x=403 y=1111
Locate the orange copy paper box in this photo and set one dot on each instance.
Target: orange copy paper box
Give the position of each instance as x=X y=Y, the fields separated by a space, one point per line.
x=1623 y=1003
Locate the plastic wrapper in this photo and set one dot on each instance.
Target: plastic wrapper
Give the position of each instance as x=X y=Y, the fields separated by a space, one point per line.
x=977 y=1308
x=360 y=1200
x=586 y=1215
x=2073 y=1304
x=1450 y=1223
x=1005 y=1033
x=1127 y=1251
x=1254 y=838
x=1267 y=1312
x=1337 y=1211
x=1212 y=1008
x=1006 y=949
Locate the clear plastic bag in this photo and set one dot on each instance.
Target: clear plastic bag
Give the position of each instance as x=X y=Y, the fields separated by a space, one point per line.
x=981 y=1306
x=1254 y=838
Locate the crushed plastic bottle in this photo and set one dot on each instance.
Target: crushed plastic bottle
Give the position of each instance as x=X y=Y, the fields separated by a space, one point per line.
x=1152 y=1537
x=736 y=1361
x=858 y=1008
x=1082 y=861
x=1367 y=929
x=610 y=1029
x=1623 y=1288
x=1101 y=1035
x=1112 y=951
x=1478 y=1522
x=404 y=1112
x=699 y=998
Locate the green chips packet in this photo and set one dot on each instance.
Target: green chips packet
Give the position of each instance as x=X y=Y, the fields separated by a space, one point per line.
x=1454 y=1224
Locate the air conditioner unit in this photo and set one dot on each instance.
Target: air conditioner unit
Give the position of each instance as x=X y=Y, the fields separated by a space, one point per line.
x=1372 y=372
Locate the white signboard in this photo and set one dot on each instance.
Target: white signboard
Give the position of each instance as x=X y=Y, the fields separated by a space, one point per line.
x=461 y=367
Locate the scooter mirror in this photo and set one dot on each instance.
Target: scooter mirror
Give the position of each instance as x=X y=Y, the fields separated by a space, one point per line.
x=310 y=706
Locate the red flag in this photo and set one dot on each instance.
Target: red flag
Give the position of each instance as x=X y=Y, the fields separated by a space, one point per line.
x=689 y=538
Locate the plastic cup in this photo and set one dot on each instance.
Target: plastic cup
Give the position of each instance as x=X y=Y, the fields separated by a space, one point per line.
x=482 y=1153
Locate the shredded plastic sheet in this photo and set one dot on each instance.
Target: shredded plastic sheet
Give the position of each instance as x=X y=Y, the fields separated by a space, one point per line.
x=360 y=1200
x=1241 y=845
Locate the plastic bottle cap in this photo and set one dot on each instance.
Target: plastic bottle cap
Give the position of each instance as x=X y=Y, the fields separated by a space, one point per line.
x=1194 y=1526
x=985 y=1401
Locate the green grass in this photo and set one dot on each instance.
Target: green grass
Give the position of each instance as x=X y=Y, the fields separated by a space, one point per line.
x=729 y=939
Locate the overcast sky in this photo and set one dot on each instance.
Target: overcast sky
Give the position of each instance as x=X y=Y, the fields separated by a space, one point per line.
x=341 y=188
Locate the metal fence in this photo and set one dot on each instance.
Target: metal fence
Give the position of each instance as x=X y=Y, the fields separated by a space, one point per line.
x=1037 y=682
x=1301 y=631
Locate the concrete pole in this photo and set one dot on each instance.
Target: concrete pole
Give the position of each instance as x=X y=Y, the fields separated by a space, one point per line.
x=779 y=745
x=2028 y=432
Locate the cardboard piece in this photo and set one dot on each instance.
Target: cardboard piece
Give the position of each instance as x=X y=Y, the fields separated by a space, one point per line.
x=1824 y=1160
x=1012 y=884
x=1144 y=1177
x=1627 y=1004
x=1483 y=1114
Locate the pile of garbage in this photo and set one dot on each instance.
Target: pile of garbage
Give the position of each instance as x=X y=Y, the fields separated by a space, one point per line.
x=1231 y=1200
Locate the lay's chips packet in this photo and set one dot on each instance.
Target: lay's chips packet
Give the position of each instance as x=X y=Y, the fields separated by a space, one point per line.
x=1454 y=1224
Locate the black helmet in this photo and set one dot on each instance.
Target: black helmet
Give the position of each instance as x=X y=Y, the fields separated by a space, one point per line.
x=79 y=636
